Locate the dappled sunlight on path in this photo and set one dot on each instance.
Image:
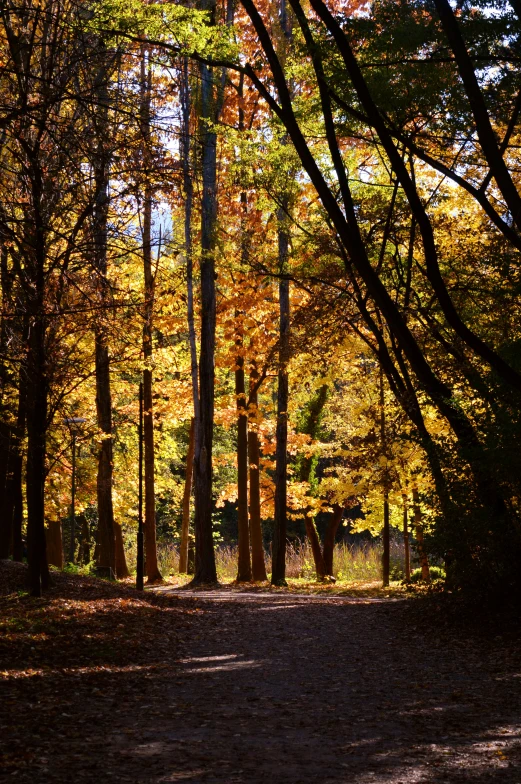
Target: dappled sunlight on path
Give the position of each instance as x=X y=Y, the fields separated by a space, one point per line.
x=255 y=687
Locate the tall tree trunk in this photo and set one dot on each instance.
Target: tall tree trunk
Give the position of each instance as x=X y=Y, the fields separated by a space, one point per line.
x=311 y=423
x=278 y=566
x=406 y=539
x=6 y=430
x=36 y=446
x=106 y=533
x=205 y=570
x=152 y=569
x=418 y=530
x=244 y=573
x=185 y=528
x=17 y=469
x=188 y=187
x=385 y=486
x=257 y=548
x=244 y=570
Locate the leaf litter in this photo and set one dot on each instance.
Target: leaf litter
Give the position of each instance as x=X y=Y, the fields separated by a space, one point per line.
x=98 y=681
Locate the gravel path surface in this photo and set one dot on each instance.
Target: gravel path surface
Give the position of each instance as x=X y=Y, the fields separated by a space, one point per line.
x=251 y=688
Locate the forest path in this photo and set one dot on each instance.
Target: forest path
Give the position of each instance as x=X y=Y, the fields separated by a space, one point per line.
x=299 y=689
x=248 y=689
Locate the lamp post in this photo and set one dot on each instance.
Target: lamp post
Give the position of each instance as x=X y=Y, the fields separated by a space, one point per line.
x=73 y=421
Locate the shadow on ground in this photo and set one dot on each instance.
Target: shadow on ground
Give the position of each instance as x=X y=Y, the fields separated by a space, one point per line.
x=254 y=689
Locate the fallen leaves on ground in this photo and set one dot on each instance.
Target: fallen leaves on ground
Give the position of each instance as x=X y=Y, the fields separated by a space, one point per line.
x=236 y=686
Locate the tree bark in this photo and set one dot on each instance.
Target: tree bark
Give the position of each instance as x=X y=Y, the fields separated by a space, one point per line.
x=84 y=548
x=418 y=529
x=152 y=569
x=318 y=556
x=205 y=569
x=385 y=487
x=121 y=562
x=36 y=447
x=406 y=540
x=244 y=572
x=54 y=543
x=329 y=537
x=106 y=532
x=257 y=547
x=185 y=529
x=186 y=566
x=278 y=565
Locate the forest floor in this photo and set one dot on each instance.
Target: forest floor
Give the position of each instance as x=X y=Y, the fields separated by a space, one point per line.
x=99 y=683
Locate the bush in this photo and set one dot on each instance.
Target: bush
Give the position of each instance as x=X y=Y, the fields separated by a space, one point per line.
x=436 y=572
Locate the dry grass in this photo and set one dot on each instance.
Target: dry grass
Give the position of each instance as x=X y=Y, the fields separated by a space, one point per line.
x=352 y=564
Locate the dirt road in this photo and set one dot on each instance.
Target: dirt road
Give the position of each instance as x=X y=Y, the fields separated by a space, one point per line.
x=244 y=689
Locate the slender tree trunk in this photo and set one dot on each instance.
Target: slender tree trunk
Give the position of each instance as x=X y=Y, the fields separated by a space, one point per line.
x=106 y=531
x=278 y=566
x=121 y=561
x=185 y=529
x=152 y=569
x=185 y=567
x=418 y=529
x=17 y=467
x=244 y=570
x=84 y=548
x=318 y=557
x=278 y=562
x=311 y=422
x=211 y=105
x=6 y=430
x=406 y=539
x=257 y=547
x=205 y=570
x=244 y=573
x=386 y=531
x=36 y=445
